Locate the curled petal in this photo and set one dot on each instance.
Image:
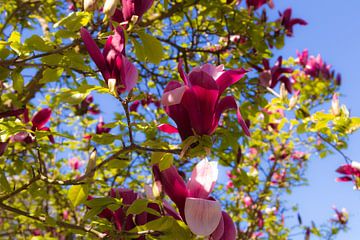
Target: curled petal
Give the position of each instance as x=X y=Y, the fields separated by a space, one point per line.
x=219 y=231
x=173 y=185
x=183 y=75
x=41 y=118
x=131 y=74
x=94 y=52
x=173 y=97
x=203 y=179
x=229 y=228
x=225 y=103
x=167 y=128
x=228 y=78
x=202 y=216
x=51 y=137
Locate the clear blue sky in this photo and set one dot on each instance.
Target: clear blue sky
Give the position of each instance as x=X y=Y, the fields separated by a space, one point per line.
x=334 y=32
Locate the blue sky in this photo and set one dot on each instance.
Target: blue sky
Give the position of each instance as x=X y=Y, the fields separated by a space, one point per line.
x=333 y=31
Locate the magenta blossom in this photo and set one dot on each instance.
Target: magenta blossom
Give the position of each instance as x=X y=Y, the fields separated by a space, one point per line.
x=201 y=212
x=144 y=102
x=270 y=77
x=75 y=163
x=86 y=106
x=131 y=8
x=288 y=23
x=38 y=122
x=350 y=171
x=341 y=217
x=196 y=105
x=100 y=127
x=256 y=4
x=112 y=62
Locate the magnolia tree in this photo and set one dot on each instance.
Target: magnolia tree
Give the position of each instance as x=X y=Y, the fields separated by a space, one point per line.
x=210 y=129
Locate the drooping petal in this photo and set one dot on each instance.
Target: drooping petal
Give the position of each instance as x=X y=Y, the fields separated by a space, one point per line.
x=131 y=74
x=225 y=103
x=228 y=78
x=203 y=179
x=51 y=137
x=343 y=179
x=229 y=228
x=94 y=52
x=173 y=185
x=167 y=128
x=183 y=75
x=346 y=169
x=173 y=97
x=41 y=118
x=202 y=216
x=171 y=211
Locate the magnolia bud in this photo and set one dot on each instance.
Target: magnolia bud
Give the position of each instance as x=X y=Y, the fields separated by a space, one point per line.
x=90 y=5
x=91 y=164
x=294 y=99
x=283 y=92
x=335 y=106
x=112 y=86
x=110 y=7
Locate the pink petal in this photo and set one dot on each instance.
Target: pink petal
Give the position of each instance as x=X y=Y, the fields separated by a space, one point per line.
x=346 y=169
x=219 y=231
x=167 y=128
x=343 y=179
x=174 y=96
x=171 y=211
x=202 y=216
x=51 y=137
x=203 y=179
x=214 y=71
x=41 y=118
x=228 y=78
x=229 y=228
x=226 y=103
x=173 y=185
x=183 y=75
x=131 y=74
x=94 y=52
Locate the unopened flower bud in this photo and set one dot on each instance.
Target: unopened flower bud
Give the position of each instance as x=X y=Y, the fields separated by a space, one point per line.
x=110 y=7
x=335 y=106
x=112 y=86
x=90 y=5
x=294 y=99
x=283 y=92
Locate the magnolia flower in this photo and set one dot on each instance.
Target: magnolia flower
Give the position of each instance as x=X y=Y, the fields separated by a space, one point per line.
x=90 y=5
x=341 y=217
x=144 y=102
x=100 y=127
x=196 y=105
x=87 y=106
x=112 y=62
x=269 y=77
x=256 y=4
x=75 y=163
x=130 y=9
x=201 y=212
x=110 y=7
x=335 y=105
x=349 y=170
x=288 y=22
x=38 y=122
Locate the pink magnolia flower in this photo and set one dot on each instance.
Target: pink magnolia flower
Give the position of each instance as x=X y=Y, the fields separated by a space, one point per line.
x=350 y=171
x=112 y=62
x=341 y=217
x=87 y=106
x=256 y=4
x=38 y=122
x=302 y=57
x=131 y=8
x=201 y=212
x=288 y=22
x=196 y=105
x=75 y=163
x=100 y=127
x=144 y=102
x=270 y=77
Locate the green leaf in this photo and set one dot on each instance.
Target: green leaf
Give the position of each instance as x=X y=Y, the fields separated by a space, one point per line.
x=104 y=138
x=117 y=164
x=51 y=75
x=36 y=43
x=137 y=207
x=18 y=81
x=15 y=43
x=153 y=48
x=166 y=161
x=100 y=202
x=139 y=50
x=78 y=194
x=4 y=184
x=74 y=21
x=93 y=212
